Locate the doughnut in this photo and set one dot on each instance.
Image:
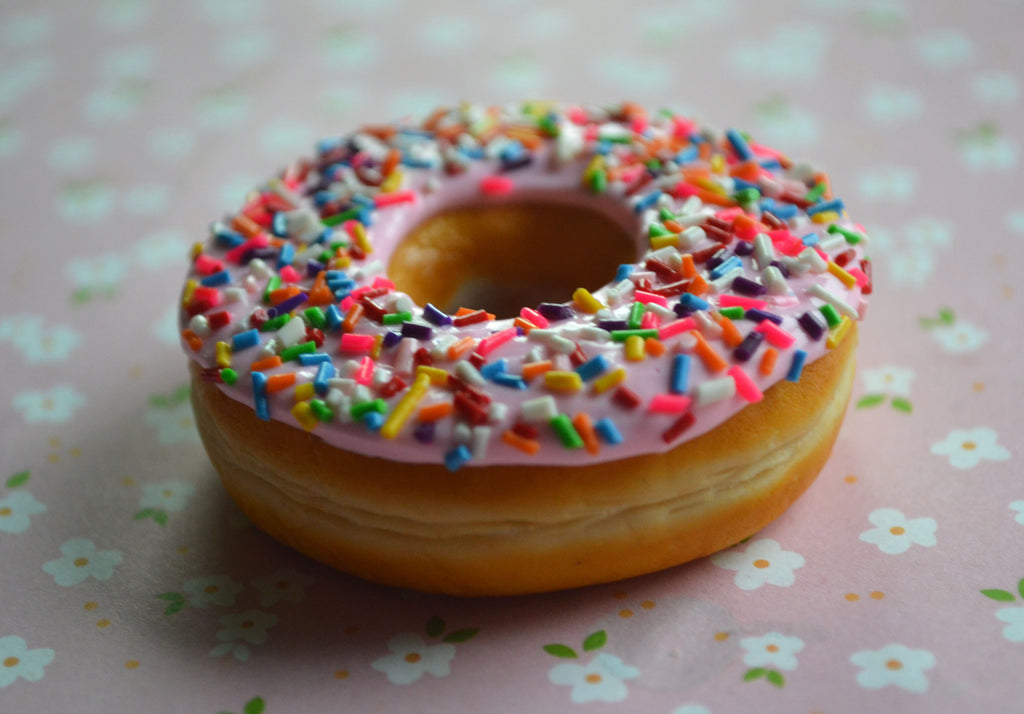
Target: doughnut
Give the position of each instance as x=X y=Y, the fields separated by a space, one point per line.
x=506 y=350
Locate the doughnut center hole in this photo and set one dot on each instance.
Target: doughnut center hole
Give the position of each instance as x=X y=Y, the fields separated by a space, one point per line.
x=504 y=257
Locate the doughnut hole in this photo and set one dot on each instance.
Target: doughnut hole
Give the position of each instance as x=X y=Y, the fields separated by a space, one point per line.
x=503 y=257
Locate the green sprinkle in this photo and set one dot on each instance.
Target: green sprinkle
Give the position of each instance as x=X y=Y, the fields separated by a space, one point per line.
x=316 y=318
x=335 y=244
x=636 y=315
x=747 y=195
x=548 y=125
x=321 y=410
x=273 y=284
x=623 y=335
x=228 y=375
x=598 y=181
x=831 y=315
x=566 y=432
x=340 y=217
x=656 y=229
x=396 y=318
x=293 y=352
x=733 y=313
x=815 y=193
x=852 y=237
x=666 y=215
x=275 y=323
x=374 y=405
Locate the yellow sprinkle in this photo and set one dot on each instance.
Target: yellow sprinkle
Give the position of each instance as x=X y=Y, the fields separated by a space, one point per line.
x=378 y=341
x=836 y=335
x=825 y=217
x=392 y=182
x=304 y=392
x=362 y=240
x=710 y=185
x=405 y=407
x=303 y=414
x=844 y=277
x=609 y=380
x=596 y=164
x=197 y=250
x=718 y=163
x=664 y=241
x=190 y=288
x=223 y=354
x=563 y=381
x=341 y=261
x=635 y=351
x=436 y=375
x=586 y=302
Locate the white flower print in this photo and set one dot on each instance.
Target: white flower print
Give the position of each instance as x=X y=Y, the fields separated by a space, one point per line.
x=16 y=511
x=53 y=345
x=85 y=201
x=81 y=560
x=995 y=87
x=893 y=664
x=250 y=626
x=691 y=709
x=966 y=448
x=411 y=658
x=17 y=660
x=889 y=379
x=53 y=405
x=1014 y=619
x=960 y=337
x=910 y=267
x=888 y=183
x=169 y=496
x=23 y=326
x=773 y=650
x=212 y=590
x=894 y=533
x=990 y=152
x=801 y=48
x=927 y=233
x=286 y=585
x=890 y=105
x=174 y=424
x=762 y=562
x=945 y=48
x=99 y=272
x=160 y=249
x=600 y=680
x=1018 y=506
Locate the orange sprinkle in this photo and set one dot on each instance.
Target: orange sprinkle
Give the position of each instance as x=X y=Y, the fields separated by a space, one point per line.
x=277 y=382
x=654 y=347
x=714 y=198
x=431 y=122
x=698 y=285
x=767 y=365
x=461 y=348
x=381 y=131
x=530 y=446
x=466 y=310
x=245 y=225
x=193 y=340
x=673 y=226
x=320 y=294
x=585 y=428
x=708 y=355
x=523 y=323
x=390 y=162
x=747 y=170
x=281 y=294
x=352 y=317
x=266 y=363
x=527 y=136
x=730 y=333
x=688 y=268
x=742 y=222
x=822 y=177
x=535 y=369
x=435 y=412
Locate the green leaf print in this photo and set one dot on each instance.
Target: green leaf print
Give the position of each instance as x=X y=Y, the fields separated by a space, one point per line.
x=595 y=641
x=1000 y=595
x=561 y=651
x=177 y=602
x=435 y=626
x=254 y=706
x=755 y=673
x=1020 y=587
x=17 y=480
x=902 y=404
x=144 y=513
x=776 y=678
x=870 y=400
x=461 y=635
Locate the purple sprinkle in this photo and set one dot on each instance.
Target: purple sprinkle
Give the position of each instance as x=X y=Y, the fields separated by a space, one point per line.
x=417 y=330
x=555 y=311
x=756 y=315
x=718 y=258
x=517 y=162
x=682 y=310
x=613 y=325
x=782 y=268
x=266 y=253
x=812 y=324
x=746 y=349
x=436 y=316
x=424 y=432
x=746 y=286
x=743 y=248
x=313 y=267
x=391 y=338
x=286 y=306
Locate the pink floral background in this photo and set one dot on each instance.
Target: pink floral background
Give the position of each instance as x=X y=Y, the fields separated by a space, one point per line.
x=131 y=583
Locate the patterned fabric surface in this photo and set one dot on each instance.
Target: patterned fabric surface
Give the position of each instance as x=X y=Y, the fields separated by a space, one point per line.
x=130 y=581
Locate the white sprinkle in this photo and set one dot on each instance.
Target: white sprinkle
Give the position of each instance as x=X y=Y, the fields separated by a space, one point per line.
x=233 y=294
x=440 y=348
x=469 y=374
x=340 y=404
x=462 y=434
x=592 y=333
x=403 y=356
x=343 y=384
x=714 y=390
x=708 y=327
x=270 y=349
x=478 y=444
x=764 y=251
x=690 y=237
x=813 y=260
x=835 y=301
x=199 y=325
x=660 y=310
x=540 y=410
x=496 y=412
x=724 y=282
x=381 y=376
x=773 y=280
x=361 y=393
x=372 y=268
x=292 y=332
x=259 y=269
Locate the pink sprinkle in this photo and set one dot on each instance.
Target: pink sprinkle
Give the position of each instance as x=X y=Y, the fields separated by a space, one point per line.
x=260 y=240
x=497 y=185
x=745 y=386
x=638 y=124
x=576 y=115
x=765 y=151
x=381 y=282
x=346 y=303
x=383 y=200
x=649 y=321
x=776 y=336
x=493 y=342
x=681 y=127
x=290 y=274
x=205 y=265
x=356 y=343
x=630 y=175
x=859 y=275
x=646 y=297
x=727 y=214
x=364 y=373
x=740 y=301
x=534 y=317
x=669 y=404
x=676 y=328
x=685 y=190
x=590 y=133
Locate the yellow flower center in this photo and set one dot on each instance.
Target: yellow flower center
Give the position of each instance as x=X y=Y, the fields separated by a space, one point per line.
x=11 y=662
x=772 y=648
x=211 y=589
x=894 y=664
x=761 y=563
x=897 y=530
x=81 y=562
x=412 y=657
x=593 y=678
x=5 y=511
x=969 y=446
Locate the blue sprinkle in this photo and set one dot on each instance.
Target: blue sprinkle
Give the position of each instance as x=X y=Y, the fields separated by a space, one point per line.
x=324 y=372
x=322 y=198
x=215 y=279
x=608 y=432
x=810 y=239
x=326 y=144
x=603 y=147
x=833 y=205
x=646 y=201
x=592 y=368
x=740 y=184
x=366 y=217
x=692 y=302
x=259 y=395
x=491 y=369
x=436 y=316
x=308 y=359
x=512 y=381
x=325 y=235
x=457 y=457
x=729 y=264
x=245 y=340
x=227 y=237
x=797 y=367
x=279 y=225
x=286 y=256
x=690 y=153
x=364 y=201
x=739 y=145
x=680 y=374
x=334 y=317
x=770 y=163
x=784 y=211
x=624 y=271
x=373 y=420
